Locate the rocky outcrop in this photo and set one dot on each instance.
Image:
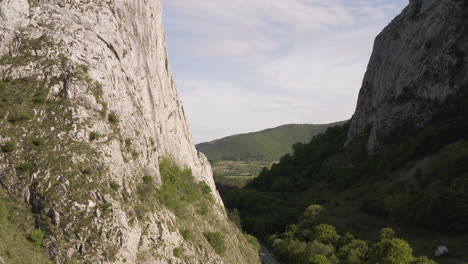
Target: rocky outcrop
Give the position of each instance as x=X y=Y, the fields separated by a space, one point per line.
x=418 y=61
x=89 y=108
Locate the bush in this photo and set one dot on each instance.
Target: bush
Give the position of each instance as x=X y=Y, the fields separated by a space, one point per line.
x=325 y=234
x=113 y=118
x=11 y=253
x=26 y=167
x=216 y=240
x=311 y=215
x=205 y=188
x=186 y=234
x=253 y=241
x=93 y=136
x=203 y=208
x=178 y=252
x=37 y=238
x=353 y=253
x=391 y=251
x=9 y=147
x=38 y=142
x=114 y=186
x=147 y=179
x=179 y=189
x=20 y=116
x=87 y=171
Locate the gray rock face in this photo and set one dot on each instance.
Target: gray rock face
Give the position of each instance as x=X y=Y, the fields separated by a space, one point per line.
x=118 y=114
x=418 y=61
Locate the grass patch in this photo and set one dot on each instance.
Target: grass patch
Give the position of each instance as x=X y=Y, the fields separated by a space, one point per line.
x=14 y=245
x=186 y=234
x=113 y=118
x=216 y=240
x=179 y=189
x=38 y=142
x=20 y=116
x=8 y=147
x=178 y=252
x=93 y=136
x=114 y=186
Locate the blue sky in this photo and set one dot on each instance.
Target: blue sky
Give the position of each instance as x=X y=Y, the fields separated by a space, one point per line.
x=246 y=65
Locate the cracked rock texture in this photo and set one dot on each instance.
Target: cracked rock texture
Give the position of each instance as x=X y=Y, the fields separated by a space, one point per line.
x=418 y=61
x=119 y=113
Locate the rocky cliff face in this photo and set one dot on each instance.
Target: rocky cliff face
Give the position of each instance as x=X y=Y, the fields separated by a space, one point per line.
x=418 y=61
x=88 y=109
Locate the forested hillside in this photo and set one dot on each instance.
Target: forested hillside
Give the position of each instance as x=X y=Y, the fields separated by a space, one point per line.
x=401 y=162
x=266 y=145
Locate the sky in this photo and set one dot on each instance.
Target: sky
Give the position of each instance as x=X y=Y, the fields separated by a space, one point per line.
x=247 y=65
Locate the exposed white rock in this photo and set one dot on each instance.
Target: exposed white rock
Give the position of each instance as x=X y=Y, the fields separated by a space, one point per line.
x=122 y=46
x=416 y=63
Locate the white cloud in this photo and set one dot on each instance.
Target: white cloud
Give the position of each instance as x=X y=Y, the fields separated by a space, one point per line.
x=262 y=63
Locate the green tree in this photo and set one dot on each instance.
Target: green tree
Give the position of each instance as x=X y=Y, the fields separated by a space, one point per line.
x=423 y=260
x=354 y=252
x=311 y=215
x=391 y=251
x=325 y=234
x=318 y=259
x=253 y=241
x=387 y=233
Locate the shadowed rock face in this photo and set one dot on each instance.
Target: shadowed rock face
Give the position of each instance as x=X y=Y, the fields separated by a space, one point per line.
x=109 y=103
x=418 y=61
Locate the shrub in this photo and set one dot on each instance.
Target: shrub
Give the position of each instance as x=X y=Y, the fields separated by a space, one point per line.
x=205 y=188
x=114 y=185
x=93 y=136
x=38 y=142
x=113 y=118
x=391 y=251
x=423 y=260
x=147 y=179
x=318 y=259
x=311 y=215
x=9 y=147
x=178 y=252
x=354 y=252
x=87 y=171
x=216 y=240
x=253 y=241
x=203 y=208
x=180 y=189
x=186 y=234
x=37 y=238
x=20 y=116
x=26 y=167
x=11 y=253
x=325 y=234
x=317 y=248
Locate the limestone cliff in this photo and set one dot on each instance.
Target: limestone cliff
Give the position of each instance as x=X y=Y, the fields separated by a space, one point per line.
x=88 y=110
x=418 y=61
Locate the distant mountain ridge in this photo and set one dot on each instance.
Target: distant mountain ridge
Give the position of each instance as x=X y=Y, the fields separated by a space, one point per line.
x=266 y=145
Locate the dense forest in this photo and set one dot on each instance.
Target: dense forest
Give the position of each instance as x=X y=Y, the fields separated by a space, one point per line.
x=417 y=180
